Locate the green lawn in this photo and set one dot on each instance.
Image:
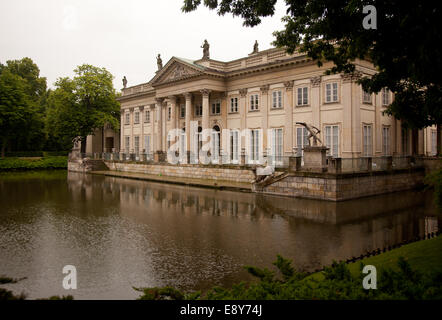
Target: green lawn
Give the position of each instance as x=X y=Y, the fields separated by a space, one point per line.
x=424 y=256
x=33 y=163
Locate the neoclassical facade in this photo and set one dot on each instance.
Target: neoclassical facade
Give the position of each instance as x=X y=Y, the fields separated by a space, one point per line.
x=268 y=92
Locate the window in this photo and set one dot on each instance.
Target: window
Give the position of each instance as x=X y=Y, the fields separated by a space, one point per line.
x=234 y=146
x=127 y=120
x=233 y=105
x=277 y=99
x=367 y=140
x=198 y=110
x=433 y=142
x=366 y=97
x=405 y=141
x=277 y=146
x=182 y=111
x=386 y=141
x=147 y=144
x=216 y=107
x=215 y=144
x=254 y=102
x=331 y=92
x=137 y=117
x=301 y=140
x=302 y=96
x=127 y=144
x=169 y=113
x=255 y=146
x=332 y=140
x=385 y=97
x=137 y=144
x=147 y=116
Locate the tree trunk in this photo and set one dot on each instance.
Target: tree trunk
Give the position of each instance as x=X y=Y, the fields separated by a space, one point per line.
x=3 y=148
x=438 y=138
x=83 y=144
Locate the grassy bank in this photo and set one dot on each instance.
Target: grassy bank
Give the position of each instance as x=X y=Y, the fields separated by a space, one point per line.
x=33 y=163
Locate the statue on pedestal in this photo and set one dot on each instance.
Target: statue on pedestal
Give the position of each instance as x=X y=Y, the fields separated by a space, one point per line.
x=255 y=47
x=312 y=133
x=124 y=82
x=159 y=62
x=206 y=46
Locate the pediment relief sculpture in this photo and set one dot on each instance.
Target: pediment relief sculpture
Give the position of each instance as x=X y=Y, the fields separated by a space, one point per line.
x=179 y=72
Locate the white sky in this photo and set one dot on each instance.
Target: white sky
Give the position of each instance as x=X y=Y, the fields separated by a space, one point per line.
x=122 y=36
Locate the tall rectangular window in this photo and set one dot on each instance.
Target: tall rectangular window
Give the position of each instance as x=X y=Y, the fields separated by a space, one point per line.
x=302 y=96
x=216 y=107
x=147 y=144
x=198 y=110
x=127 y=118
x=147 y=116
x=386 y=141
x=169 y=113
x=433 y=142
x=276 y=99
x=254 y=145
x=137 y=144
x=182 y=111
x=137 y=117
x=301 y=140
x=331 y=92
x=405 y=140
x=215 y=140
x=277 y=145
x=127 y=144
x=234 y=146
x=332 y=140
x=385 y=97
x=233 y=105
x=367 y=140
x=254 y=102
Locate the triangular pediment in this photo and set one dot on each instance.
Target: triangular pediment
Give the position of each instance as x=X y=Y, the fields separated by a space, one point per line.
x=176 y=70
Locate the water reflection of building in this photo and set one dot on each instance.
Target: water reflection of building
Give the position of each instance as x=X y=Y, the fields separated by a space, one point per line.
x=254 y=228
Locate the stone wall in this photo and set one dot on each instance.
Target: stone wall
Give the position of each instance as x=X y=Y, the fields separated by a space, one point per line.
x=236 y=174
x=338 y=187
x=86 y=165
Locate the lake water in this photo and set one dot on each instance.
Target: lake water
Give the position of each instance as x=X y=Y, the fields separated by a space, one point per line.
x=122 y=233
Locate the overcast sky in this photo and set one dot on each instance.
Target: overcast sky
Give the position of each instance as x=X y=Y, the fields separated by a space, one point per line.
x=122 y=36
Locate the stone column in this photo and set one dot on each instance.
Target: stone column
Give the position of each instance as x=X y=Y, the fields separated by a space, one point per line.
x=265 y=112
x=315 y=100
x=122 y=131
x=173 y=114
x=132 y=120
x=243 y=112
x=152 y=130
x=164 y=126
x=141 y=131
x=188 y=97
x=158 y=111
x=288 y=108
x=205 y=123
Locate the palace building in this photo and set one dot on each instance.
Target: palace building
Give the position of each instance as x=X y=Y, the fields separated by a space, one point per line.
x=268 y=92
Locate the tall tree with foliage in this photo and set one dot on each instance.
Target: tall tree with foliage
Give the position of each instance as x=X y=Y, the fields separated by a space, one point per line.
x=405 y=46
x=79 y=106
x=30 y=134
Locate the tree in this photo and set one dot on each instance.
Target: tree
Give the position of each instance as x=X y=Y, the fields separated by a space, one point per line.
x=405 y=46
x=15 y=108
x=30 y=135
x=79 y=106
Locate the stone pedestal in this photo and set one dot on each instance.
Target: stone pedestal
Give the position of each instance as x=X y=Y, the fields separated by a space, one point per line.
x=315 y=158
x=295 y=163
x=159 y=156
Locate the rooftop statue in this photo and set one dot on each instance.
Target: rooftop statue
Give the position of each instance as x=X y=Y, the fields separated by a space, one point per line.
x=124 y=82
x=255 y=47
x=206 y=46
x=159 y=63
x=312 y=134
